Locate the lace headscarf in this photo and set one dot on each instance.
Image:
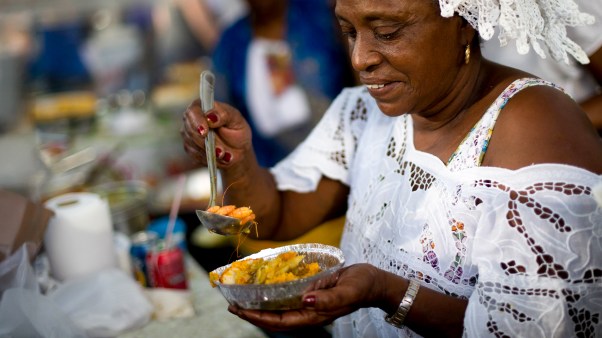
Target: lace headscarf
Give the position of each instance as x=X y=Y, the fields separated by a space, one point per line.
x=529 y=22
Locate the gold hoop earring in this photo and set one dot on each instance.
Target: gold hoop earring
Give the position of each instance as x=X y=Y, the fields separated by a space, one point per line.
x=467 y=54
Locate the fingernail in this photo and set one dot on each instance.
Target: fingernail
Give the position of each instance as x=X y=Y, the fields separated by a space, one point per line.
x=218 y=152
x=309 y=301
x=212 y=117
x=227 y=157
x=200 y=129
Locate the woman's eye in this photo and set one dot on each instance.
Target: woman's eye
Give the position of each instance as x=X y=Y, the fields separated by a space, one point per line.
x=349 y=34
x=386 y=36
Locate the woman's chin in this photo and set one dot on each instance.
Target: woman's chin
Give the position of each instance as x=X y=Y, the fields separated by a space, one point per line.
x=390 y=110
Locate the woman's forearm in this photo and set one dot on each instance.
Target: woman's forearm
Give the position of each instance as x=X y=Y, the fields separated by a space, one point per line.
x=433 y=314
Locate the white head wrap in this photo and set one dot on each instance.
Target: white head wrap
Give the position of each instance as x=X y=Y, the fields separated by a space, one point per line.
x=526 y=21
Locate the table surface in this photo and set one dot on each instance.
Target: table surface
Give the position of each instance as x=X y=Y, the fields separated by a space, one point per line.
x=211 y=320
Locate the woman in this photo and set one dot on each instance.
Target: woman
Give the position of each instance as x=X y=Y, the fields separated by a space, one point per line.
x=452 y=227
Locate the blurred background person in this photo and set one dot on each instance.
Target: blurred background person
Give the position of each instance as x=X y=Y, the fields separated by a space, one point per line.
x=225 y=12
x=582 y=82
x=281 y=65
x=56 y=62
x=186 y=30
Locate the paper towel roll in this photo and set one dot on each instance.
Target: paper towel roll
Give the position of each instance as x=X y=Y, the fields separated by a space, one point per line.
x=79 y=237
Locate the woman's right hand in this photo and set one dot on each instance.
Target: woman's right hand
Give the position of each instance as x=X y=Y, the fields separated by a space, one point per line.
x=232 y=134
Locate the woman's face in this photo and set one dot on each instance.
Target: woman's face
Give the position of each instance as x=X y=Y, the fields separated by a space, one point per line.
x=406 y=54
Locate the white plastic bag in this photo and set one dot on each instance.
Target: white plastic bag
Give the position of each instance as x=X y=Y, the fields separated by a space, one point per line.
x=24 y=311
x=16 y=272
x=104 y=304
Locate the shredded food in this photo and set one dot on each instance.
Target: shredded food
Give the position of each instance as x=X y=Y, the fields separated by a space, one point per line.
x=285 y=267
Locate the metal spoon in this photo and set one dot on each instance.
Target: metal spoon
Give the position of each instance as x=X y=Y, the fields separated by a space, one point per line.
x=219 y=224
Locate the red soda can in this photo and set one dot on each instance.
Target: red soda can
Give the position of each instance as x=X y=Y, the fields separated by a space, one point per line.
x=166 y=267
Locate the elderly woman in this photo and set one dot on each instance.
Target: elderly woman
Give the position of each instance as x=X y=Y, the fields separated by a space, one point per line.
x=453 y=227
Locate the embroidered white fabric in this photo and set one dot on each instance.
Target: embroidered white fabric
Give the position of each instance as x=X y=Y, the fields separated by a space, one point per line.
x=529 y=22
x=524 y=247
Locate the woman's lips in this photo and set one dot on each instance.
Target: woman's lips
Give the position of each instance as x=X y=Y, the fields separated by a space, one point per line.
x=381 y=90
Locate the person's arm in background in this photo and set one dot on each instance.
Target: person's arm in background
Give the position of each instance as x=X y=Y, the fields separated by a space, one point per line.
x=593 y=105
x=200 y=20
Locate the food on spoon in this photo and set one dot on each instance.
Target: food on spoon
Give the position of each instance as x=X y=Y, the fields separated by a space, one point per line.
x=285 y=267
x=244 y=214
x=225 y=210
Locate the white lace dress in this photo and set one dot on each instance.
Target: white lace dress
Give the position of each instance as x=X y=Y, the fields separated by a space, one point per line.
x=523 y=246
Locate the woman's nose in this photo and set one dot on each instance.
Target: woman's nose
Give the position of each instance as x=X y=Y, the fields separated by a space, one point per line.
x=364 y=55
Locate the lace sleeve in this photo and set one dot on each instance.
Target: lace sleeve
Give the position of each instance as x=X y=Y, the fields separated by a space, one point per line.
x=328 y=149
x=538 y=248
x=588 y=37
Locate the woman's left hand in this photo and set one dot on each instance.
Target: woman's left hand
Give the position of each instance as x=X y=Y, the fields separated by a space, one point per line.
x=343 y=292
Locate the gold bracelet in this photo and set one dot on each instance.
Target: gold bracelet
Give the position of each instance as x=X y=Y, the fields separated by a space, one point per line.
x=399 y=316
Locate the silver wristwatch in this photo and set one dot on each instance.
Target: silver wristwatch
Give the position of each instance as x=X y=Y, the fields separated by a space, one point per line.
x=399 y=316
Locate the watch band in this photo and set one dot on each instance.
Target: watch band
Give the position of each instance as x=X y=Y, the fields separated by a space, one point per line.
x=397 y=318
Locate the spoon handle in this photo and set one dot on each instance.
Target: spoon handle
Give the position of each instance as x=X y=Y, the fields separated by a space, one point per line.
x=206 y=93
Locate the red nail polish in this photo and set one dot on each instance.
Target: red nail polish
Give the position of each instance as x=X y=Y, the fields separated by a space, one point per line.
x=200 y=129
x=212 y=117
x=309 y=301
x=218 y=152
x=227 y=157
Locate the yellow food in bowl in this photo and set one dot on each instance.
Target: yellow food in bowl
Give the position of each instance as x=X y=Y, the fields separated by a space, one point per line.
x=287 y=266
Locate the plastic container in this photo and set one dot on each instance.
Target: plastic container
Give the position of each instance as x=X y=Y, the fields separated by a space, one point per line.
x=128 y=201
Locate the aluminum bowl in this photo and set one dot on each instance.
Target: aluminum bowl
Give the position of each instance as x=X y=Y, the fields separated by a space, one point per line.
x=287 y=295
